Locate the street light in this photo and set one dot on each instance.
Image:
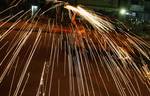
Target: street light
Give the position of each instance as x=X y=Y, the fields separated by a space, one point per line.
x=123 y=11
x=34 y=9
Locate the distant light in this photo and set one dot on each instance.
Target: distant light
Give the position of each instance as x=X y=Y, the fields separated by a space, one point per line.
x=34 y=9
x=123 y=11
x=133 y=14
x=127 y=13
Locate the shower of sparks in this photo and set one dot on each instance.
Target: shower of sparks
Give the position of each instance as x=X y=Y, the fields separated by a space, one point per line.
x=86 y=57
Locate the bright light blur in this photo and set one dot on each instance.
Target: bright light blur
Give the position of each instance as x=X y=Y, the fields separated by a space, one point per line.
x=34 y=8
x=92 y=18
x=123 y=11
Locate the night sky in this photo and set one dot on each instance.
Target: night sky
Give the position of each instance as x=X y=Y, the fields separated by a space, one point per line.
x=2 y=3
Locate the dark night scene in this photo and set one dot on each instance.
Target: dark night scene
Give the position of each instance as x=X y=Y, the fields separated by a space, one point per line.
x=74 y=47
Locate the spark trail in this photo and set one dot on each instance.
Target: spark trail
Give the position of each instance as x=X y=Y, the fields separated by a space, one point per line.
x=86 y=57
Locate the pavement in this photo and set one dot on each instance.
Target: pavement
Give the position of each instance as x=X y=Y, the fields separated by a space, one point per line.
x=57 y=76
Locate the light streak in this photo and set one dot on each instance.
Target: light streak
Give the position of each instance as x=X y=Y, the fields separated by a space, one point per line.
x=28 y=62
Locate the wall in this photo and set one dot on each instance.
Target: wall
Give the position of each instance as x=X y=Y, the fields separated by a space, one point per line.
x=99 y=3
